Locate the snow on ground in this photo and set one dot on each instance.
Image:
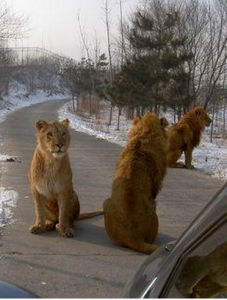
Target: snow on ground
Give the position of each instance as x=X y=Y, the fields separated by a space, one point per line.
x=4 y=157
x=8 y=200
x=17 y=99
x=210 y=158
x=96 y=127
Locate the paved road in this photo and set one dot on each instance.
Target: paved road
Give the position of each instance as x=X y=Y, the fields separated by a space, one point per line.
x=89 y=265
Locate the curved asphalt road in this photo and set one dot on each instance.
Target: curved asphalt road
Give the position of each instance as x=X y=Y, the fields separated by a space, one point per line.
x=89 y=265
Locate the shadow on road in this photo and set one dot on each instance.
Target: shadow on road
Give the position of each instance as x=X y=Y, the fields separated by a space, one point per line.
x=88 y=232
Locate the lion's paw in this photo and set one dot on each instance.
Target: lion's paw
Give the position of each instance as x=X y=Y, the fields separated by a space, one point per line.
x=191 y=167
x=50 y=226
x=65 y=231
x=36 y=229
x=179 y=165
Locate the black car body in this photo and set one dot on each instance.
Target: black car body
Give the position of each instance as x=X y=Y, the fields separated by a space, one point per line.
x=8 y=290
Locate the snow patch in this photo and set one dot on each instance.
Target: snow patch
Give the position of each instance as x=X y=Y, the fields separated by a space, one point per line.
x=4 y=157
x=8 y=200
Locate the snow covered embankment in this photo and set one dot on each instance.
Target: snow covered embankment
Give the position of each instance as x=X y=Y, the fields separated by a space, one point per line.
x=92 y=127
x=18 y=98
x=210 y=158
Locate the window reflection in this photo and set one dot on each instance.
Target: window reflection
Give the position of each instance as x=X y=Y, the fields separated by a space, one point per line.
x=205 y=276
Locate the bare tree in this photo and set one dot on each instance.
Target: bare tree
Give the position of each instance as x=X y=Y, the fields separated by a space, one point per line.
x=123 y=53
x=204 y=25
x=107 y=12
x=83 y=37
x=224 y=119
x=218 y=43
x=12 y=26
x=86 y=47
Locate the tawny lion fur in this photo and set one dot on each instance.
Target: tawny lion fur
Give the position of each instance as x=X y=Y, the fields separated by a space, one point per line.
x=130 y=213
x=185 y=136
x=50 y=175
x=205 y=276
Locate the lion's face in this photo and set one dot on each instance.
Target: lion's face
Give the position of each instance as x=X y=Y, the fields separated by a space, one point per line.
x=53 y=137
x=202 y=116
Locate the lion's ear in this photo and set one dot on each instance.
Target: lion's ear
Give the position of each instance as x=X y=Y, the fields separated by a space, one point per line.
x=163 y=122
x=41 y=124
x=65 y=122
x=198 y=111
x=135 y=120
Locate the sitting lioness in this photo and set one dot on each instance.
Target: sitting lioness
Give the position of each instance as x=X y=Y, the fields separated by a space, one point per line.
x=130 y=212
x=185 y=136
x=50 y=175
x=205 y=276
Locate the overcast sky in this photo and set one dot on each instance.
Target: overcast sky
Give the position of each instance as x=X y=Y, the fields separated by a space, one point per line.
x=54 y=23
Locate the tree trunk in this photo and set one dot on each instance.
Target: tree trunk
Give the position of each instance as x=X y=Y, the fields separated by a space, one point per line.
x=90 y=109
x=212 y=124
x=174 y=115
x=156 y=108
x=97 y=109
x=109 y=53
x=73 y=101
x=118 y=118
x=130 y=113
x=110 y=115
x=178 y=113
x=78 y=103
x=225 y=101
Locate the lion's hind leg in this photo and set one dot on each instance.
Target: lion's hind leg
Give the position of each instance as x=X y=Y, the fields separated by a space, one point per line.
x=69 y=209
x=75 y=208
x=142 y=241
x=188 y=157
x=172 y=158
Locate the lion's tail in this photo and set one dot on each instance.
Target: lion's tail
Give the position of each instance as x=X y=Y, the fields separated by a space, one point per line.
x=90 y=215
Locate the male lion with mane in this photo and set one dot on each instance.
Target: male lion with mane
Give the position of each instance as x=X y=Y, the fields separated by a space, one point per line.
x=185 y=136
x=50 y=175
x=130 y=213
